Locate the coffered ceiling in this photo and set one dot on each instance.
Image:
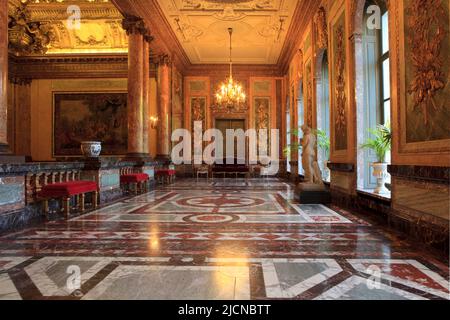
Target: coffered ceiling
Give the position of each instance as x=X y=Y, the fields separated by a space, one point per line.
x=260 y=28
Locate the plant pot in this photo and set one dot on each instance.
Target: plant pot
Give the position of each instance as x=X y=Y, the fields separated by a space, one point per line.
x=91 y=149
x=380 y=172
x=326 y=171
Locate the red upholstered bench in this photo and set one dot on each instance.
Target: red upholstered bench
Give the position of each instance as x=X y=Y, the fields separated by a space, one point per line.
x=67 y=190
x=166 y=175
x=138 y=180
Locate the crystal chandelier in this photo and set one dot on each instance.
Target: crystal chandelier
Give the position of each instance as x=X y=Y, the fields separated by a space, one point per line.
x=231 y=95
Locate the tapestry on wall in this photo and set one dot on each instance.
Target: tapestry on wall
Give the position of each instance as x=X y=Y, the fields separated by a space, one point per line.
x=427 y=44
x=339 y=84
x=262 y=121
x=177 y=101
x=90 y=117
x=198 y=114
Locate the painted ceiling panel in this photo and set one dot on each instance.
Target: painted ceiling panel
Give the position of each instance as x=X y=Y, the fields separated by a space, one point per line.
x=260 y=28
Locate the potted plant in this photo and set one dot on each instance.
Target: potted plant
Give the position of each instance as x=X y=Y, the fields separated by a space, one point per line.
x=323 y=143
x=380 y=143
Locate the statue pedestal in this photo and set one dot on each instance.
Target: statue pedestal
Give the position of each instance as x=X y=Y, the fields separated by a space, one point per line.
x=310 y=193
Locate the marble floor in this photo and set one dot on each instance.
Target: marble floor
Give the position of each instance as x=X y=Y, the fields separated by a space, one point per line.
x=228 y=239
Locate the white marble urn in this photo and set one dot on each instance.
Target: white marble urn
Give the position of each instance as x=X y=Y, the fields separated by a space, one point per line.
x=380 y=172
x=91 y=149
x=326 y=171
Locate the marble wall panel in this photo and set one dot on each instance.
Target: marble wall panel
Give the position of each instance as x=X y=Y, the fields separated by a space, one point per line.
x=422 y=197
x=12 y=193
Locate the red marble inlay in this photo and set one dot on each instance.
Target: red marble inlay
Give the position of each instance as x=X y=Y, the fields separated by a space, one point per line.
x=212 y=218
x=410 y=273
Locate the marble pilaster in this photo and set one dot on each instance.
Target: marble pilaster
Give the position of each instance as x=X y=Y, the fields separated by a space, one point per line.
x=138 y=72
x=146 y=97
x=3 y=76
x=164 y=112
x=135 y=94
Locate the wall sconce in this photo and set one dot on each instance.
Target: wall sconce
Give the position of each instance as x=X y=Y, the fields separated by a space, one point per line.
x=154 y=122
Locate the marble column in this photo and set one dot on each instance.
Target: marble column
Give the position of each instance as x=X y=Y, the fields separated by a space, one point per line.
x=164 y=110
x=136 y=31
x=146 y=96
x=3 y=76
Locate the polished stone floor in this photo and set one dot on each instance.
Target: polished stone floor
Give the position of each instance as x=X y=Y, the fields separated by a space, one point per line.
x=228 y=239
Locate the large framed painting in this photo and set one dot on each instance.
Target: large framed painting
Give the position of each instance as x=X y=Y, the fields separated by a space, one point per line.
x=99 y=116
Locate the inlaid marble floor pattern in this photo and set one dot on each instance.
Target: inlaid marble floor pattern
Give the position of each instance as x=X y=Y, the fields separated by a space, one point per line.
x=223 y=239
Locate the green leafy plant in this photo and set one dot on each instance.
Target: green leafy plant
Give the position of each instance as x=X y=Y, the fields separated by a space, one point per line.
x=323 y=142
x=293 y=147
x=381 y=141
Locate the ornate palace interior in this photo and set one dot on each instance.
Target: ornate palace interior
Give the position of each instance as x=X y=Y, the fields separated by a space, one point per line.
x=92 y=93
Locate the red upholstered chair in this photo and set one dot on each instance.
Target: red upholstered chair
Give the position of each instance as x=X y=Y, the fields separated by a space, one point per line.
x=67 y=190
x=138 y=180
x=165 y=175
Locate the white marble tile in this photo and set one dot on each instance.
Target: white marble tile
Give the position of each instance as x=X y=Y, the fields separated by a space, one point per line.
x=7 y=289
x=357 y=288
x=174 y=283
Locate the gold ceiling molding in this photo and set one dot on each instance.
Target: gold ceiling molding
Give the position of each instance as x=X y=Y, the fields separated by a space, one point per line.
x=241 y=5
x=100 y=30
x=71 y=67
x=260 y=25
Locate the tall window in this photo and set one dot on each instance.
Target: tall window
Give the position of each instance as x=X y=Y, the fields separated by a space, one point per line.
x=323 y=114
x=377 y=97
x=301 y=121
x=385 y=71
x=384 y=63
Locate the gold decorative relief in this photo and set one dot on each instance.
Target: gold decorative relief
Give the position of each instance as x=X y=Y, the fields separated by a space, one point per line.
x=260 y=26
x=300 y=64
x=320 y=22
x=339 y=85
x=99 y=30
x=309 y=93
x=425 y=51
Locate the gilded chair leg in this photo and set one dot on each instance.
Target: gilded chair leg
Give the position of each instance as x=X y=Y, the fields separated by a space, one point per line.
x=45 y=208
x=82 y=198
x=66 y=206
x=95 y=200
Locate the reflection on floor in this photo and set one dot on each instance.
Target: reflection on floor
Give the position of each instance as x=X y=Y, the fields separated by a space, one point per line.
x=229 y=239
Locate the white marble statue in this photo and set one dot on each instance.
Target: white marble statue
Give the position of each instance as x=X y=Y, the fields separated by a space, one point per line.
x=313 y=174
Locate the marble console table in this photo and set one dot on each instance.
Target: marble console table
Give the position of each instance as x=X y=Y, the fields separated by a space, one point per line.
x=20 y=182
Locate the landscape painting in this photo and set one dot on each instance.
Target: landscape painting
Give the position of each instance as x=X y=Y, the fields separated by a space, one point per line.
x=89 y=117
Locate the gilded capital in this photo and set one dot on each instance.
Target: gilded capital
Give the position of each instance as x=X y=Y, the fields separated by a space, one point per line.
x=164 y=60
x=135 y=25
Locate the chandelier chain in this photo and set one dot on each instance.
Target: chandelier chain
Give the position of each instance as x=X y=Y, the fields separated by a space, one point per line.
x=230 y=94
